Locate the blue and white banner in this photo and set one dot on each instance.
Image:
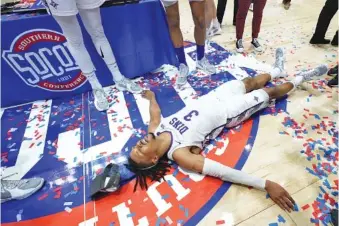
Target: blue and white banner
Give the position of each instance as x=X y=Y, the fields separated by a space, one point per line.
x=36 y=63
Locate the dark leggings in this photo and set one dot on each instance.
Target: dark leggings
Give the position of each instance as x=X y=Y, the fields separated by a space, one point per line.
x=258 y=8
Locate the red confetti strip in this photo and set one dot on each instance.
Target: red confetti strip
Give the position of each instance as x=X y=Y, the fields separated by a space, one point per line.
x=57 y=189
x=305 y=207
x=219 y=222
x=43 y=197
x=57 y=195
x=32 y=144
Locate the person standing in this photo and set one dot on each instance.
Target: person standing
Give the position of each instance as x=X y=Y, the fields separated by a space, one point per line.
x=258 y=9
x=65 y=13
x=173 y=19
x=212 y=25
x=327 y=13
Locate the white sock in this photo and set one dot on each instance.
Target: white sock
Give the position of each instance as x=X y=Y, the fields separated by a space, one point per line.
x=117 y=76
x=93 y=80
x=215 y=22
x=297 y=81
x=276 y=72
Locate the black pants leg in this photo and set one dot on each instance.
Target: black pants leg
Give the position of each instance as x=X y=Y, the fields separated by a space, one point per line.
x=221 y=10
x=235 y=11
x=329 y=10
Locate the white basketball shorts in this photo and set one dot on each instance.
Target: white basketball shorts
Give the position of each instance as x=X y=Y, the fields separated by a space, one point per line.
x=70 y=7
x=237 y=104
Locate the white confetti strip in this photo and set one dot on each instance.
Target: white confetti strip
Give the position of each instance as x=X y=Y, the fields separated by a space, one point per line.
x=18 y=217
x=169 y=220
x=12 y=130
x=68 y=203
x=68 y=210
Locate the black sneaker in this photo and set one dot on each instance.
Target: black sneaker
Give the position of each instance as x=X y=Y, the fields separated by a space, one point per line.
x=333 y=81
x=334 y=42
x=239 y=46
x=319 y=41
x=256 y=45
x=333 y=71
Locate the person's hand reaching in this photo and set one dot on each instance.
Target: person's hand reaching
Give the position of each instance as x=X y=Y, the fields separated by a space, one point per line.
x=280 y=196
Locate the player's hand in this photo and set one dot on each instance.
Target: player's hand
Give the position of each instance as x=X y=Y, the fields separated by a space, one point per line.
x=280 y=196
x=148 y=94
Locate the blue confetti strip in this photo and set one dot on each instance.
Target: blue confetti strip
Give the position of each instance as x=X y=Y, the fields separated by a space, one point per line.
x=273 y=224
x=169 y=183
x=295 y=207
x=175 y=173
x=165 y=196
x=180 y=221
x=281 y=219
x=181 y=207
x=131 y=215
x=186 y=212
x=160 y=221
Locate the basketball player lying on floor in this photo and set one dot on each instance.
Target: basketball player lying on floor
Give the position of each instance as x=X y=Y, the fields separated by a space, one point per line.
x=182 y=135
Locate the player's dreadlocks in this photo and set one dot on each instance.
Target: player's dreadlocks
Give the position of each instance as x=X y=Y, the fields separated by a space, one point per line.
x=155 y=172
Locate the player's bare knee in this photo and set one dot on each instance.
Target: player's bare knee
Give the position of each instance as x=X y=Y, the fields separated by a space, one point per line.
x=199 y=22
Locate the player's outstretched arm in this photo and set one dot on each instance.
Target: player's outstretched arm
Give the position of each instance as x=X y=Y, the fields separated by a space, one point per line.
x=200 y=164
x=154 y=110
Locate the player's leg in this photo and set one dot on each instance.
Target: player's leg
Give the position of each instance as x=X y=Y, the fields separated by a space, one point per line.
x=241 y=107
x=208 y=14
x=93 y=24
x=173 y=20
x=198 y=13
x=72 y=31
x=212 y=24
x=261 y=80
x=281 y=90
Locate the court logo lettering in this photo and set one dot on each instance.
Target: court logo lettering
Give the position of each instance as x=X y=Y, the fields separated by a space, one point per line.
x=41 y=59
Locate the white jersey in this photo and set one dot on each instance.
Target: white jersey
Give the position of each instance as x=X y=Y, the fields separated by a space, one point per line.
x=202 y=119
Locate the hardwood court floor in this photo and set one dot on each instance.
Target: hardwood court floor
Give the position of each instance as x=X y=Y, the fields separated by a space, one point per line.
x=275 y=155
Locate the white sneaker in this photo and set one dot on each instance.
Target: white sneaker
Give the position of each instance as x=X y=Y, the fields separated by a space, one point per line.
x=316 y=72
x=256 y=45
x=204 y=65
x=214 y=30
x=100 y=100
x=127 y=85
x=279 y=59
x=19 y=189
x=183 y=74
x=280 y=62
x=239 y=46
